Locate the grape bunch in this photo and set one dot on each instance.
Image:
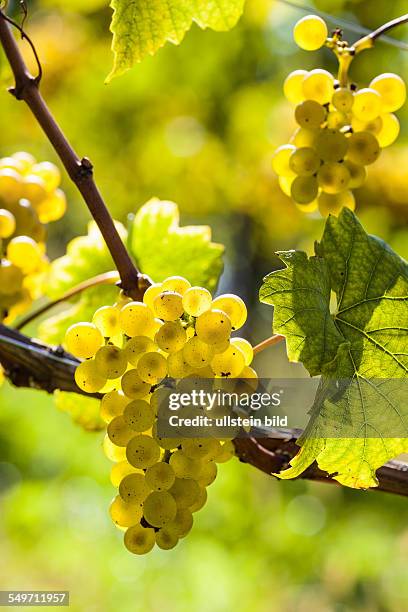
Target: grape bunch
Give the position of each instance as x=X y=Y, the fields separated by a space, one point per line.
x=342 y=129
x=29 y=199
x=133 y=352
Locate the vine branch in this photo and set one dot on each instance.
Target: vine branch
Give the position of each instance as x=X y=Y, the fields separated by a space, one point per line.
x=80 y=171
x=29 y=363
x=366 y=42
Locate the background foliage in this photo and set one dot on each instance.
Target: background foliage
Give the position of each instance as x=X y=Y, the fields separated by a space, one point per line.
x=196 y=124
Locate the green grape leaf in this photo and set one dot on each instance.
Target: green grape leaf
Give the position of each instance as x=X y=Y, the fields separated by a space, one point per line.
x=86 y=256
x=142 y=27
x=162 y=248
x=83 y=410
x=359 y=346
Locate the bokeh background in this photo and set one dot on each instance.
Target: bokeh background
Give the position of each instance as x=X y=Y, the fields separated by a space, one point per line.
x=197 y=124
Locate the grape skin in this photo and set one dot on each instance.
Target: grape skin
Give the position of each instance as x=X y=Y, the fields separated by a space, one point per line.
x=310 y=33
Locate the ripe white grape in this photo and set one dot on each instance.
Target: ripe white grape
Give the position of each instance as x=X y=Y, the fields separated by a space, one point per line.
x=202 y=449
x=331 y=145
x=151 y=293
x=166 y=539
x=285 y=183
x=88 y=378
x=331 y=204
x=208 y=474
x=305 y=137
x=159 y=508
x=184 y=466
x=125 y=514
x=178 y=284
x=292 y=87
x=139 y=540
x=133 y=386
x=139 y=415
x=111 y=361
x=367 y=104
x=197 y=353
x=391 y=89
x=304 y=189
x=122 y=469
x=135 y=319
x=337 y=120
x=304 y=161
x=343 y=99
x=142 y=451
x=134 y=488
x=168 y=306
x=182 y=522
x=83 y=340
x=363 y=148
x=373 y=126
x=245 y=347
x=112 y=405
x=234 y=307
x=113 y=452
x=160 y=476
x=357 y=173
x=136 y=346
x=196 y=301
x=106 y=320
x=177 y=365
x=213 y=326
x=171 y=337
x=318 y=85
x=152 y=367
x=7 y=223
x=333 y=177
x=310 y=114
x=389 y=131
x=310 y=33
x=119 y=431
x=185 y=491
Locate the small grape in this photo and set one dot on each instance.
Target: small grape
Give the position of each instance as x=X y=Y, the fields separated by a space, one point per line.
x=133 y=386
x=213 y=326
x=134 y=489
x=136 y=347
x=292 y=87
x=333 y=177
x=245 y=347
x=197 y=353
x=113 y=452
x=226 y=452
x=310 y=114
x=171 y=337
x=168 y=306
x=34 y=189
x=7 y=223
x=358 y=174
x=391 y=89
x=142 y=451
x=178 y=366
x=285 y=183
x=182 y=522
x=119 y=431
x=234 y=307
x=310 y=33
x=331 y=204
x=304 y=189
x=363 y=148
x=11 y=185
x=343 y=99
x=202 y=449
x=111 y=361
x=196 y=301
x=120 y=470
x=185 y=467
x=106 y=320
x=151 y=293
x=53 y=207
x=25 y=253
x=135 y=318
x=318 y=85
x=11 y=277
x=177 y=284
x=200 y=501
x=185 y=491
x=304 y=137
x=304 y=161
x=152 y=367
x=124 y=514
x=337 y=120
x=228 y=364
x=113 y=405
x=159 y=508
x=389 y=130
x=208 y=474
x=166 y=539
x=280 y=164
x=331 y=145
x=367 y=104
x=139 y=540
x=139 y=415
x=83 y=340
x=373 y=126
x=49 y=173
x=160 y=476
x=88 y=378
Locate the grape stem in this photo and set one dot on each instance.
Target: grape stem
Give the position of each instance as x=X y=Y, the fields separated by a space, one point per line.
x=107 y=278
x=267 y=343
x=366 y=42
x=79 y=170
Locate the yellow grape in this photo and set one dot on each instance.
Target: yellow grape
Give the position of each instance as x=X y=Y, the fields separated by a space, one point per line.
x=200 y=501
x=83 y=340
x=304 y=161
x=213 y=326
x=304 y=189
x=135 y=318
x=7 y=223
x=152 y=367
x=331 y=145
x=139 y=540
x=292 y=87
x=333 y=177
x=139 y=415
x=280 y=164
x=34 y=189
x=124 y=514
x=196 y=301
x=228 y=364
x=197 y=353
x=159 y=508
x=136 y=347
x=168 y=306
x=120 y=470
x=166 y=539
x=88 y=378
x=177 y=365
x=111 y=361
x=331 y=204
x=182 y=522
x=142 y=451
x=310 y=33
x=310 y=114
x=391 y=89
x=318 y=85
x=178 y=284
x=358 y=174
x=304 y=137
x=367 y=104
x=234 y=307
x=106 y=320
x=171 y=337
x=373 y=126
x=343 y=99
x=26 y=160
x=185 y=467
x=113 y=452
x=119 y=431
x=133 y=488
x=208 y=474
x=363 y=148
x=133 y=386
x=160 y=476
x=185 y=491
x=112 y=405
x=11 y=185
x=49 y=173
x=389 y=131
x=245 y=347
x=150 y=294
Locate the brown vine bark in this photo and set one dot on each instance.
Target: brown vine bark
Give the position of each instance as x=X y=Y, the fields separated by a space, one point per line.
x=29 y=363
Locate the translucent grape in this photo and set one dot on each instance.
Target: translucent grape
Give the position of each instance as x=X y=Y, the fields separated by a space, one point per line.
x=142 y=451
x=343 y=99
x=133 y=386
x=159 y=508
x=304 y=161
x=119 y=431
x=318 y=85
x=7 y=223
x=292 y=87
x=49 y=173
x=11 y=185
x=53 y=207
x=391 y=89
x=178 y=284
x=245 y=347
x=336 y=120
x=120 y=470
x=373 y=126
x=197 y=353
x=304 y=137
x=357 y=174
x=139 y=415
x=135 y=318
x=113 y=452
x=310 y=32
x=208 y=474
x=280 y=164
x=171 y=337
x=203 y=449
x=185 y=467
x=185 y=491
x=333 y=178
x=113 y=404
x=34 y=189
x=111 y=361
x=367 y=104
x=152 y=367
x=285 y=183
x=106 y=320
x=88 y=378
x=363 y=148
x=136 y=347
x=134 y=488
x=200 y=501
x=304 y=189
x=11 y=277
x=168 y=306
x=151 y=293
x=213 y=326
x=196 y=301
x=83 y=340
x=139 y=540
x=331 y=204
x=25 y=253
x=124 y=514
x=310 y=114
x=177 y=365
x=26 y=160
x=182 y=522
x=331 y=145
x=166 y=539
x=389 y=130
x=160 y=476
x=226 y=452
x=234 y=307
x=228 y=364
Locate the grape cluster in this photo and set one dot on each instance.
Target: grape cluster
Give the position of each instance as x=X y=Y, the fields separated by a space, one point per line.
x=29 y=199
x=342 y=129
x=133 y=352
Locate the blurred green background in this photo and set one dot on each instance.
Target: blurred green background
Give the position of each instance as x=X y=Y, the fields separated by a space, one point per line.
x=197 y=124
